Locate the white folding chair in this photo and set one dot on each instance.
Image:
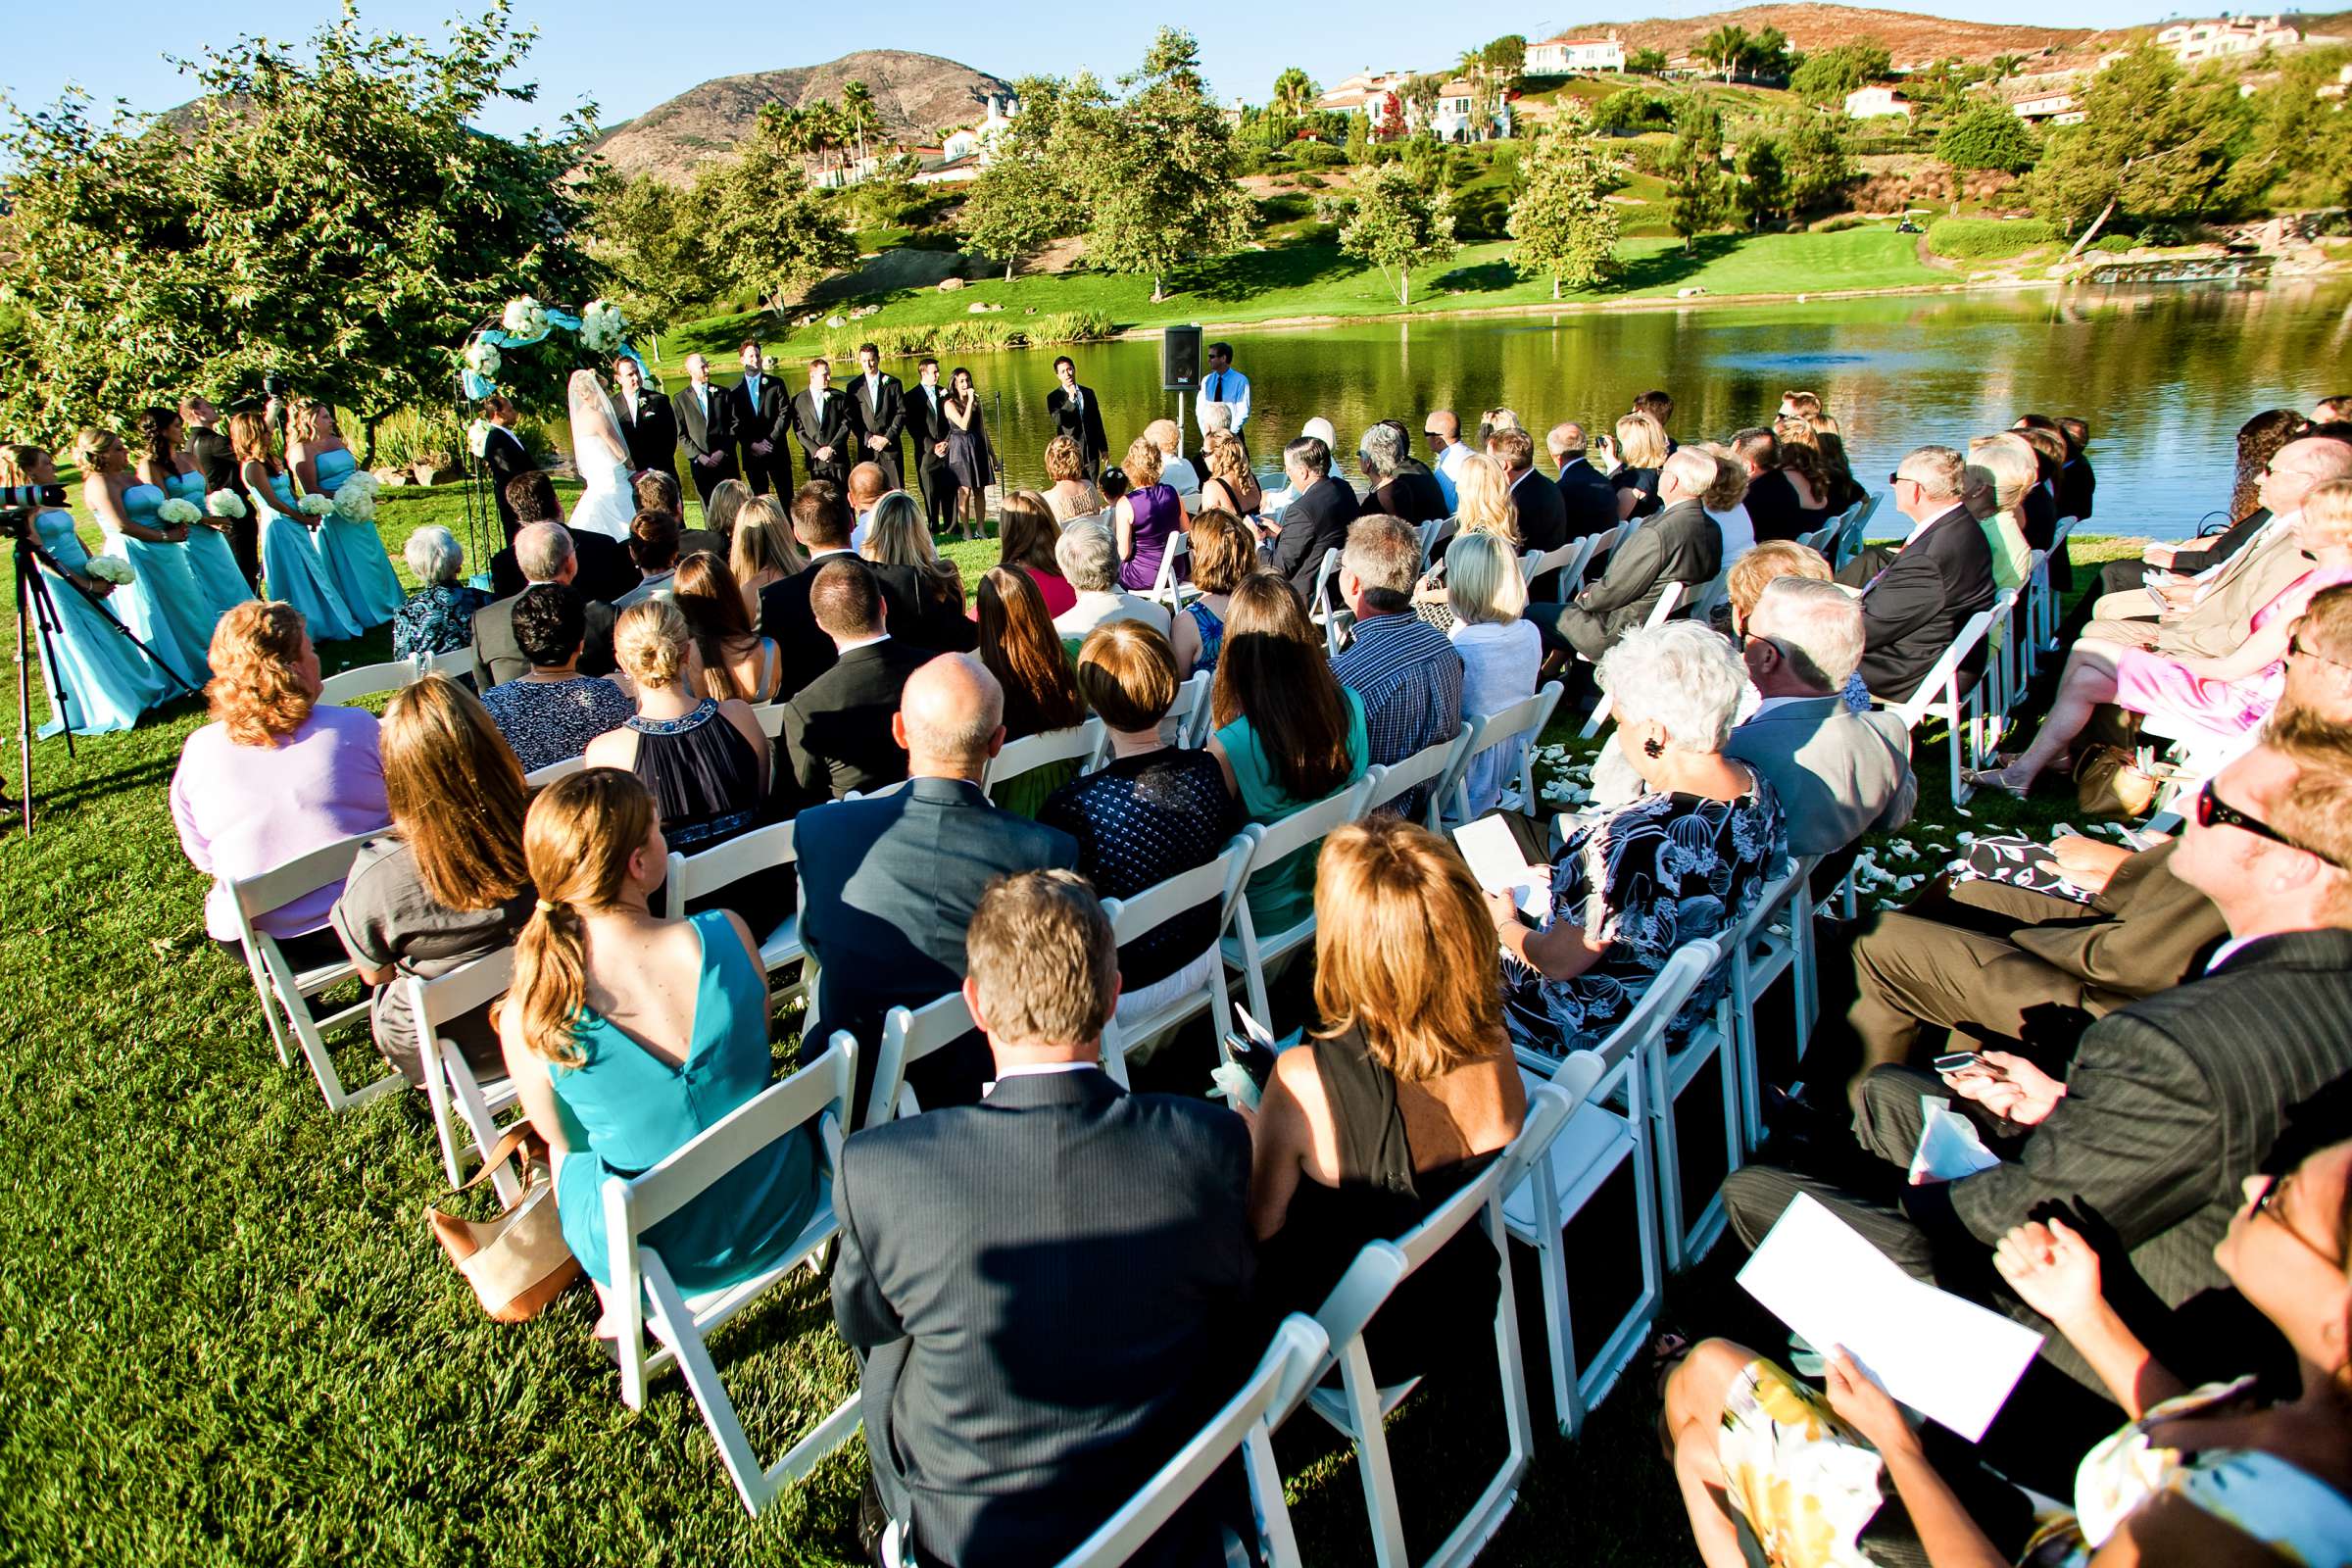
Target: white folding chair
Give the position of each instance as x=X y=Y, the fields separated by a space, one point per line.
x=1218 y=883
x=1569 y=560
x=1186 y=718
x=1323 y=611
x=1852 y=527
x=452 y=663
x=1165 y=588
x=771 y=719
x=1432 y=766
x=1598 y=1141
x=1246 y=950
x=285 y=993
x=2043 y=615
x=1360 y=1404
x=763 y=850
x=1527 y=564
x=908 y=1035
x=1429 y=532
x=1711 y=595
x=2003 y=677
x=1668 y=603
x=1673 y=1070
x=1077 y=744
x=1298 y=1351
x=541 y=777
x=1939 y=696
x=1522 y=722
x=368 y=680
x=1775 y=939
x=451 y=1088
x=1822 y=540
x=643 y=1296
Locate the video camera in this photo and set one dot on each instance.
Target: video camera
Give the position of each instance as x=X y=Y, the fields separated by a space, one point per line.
x=19 y=502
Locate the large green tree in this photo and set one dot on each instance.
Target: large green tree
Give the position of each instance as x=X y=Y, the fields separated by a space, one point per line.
x=1564 y=223
x=1827 y=76
x=1814 y=163
x=2297 y=151
x=2153 y=144
x=1294 y=92
x=1156 y=168
x=1701 y=197
x=325 y=211
x=1988 y=136
x=1763 y=192
x=1016 y=205
x=647 y=234
x=1398 y=226
x=768 y=231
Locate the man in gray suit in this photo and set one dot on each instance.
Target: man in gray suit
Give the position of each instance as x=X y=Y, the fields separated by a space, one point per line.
x=888 y=884
x=1839 y=774
x=544 y=553
x=1680 y=544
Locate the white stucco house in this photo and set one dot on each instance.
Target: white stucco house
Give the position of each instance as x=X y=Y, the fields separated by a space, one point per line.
x=1556 y=56
x=1876 y=103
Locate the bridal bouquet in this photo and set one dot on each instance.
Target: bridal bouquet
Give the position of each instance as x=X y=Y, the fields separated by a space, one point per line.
x=315 y=505
x=600 y=326
x=226 y=504
x=524 y=317
x=483 y=359
x=110 y=569
x=178 y=513
x=355 y=500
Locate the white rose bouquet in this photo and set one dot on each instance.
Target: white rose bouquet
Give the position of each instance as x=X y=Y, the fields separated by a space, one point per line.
x=355 y=500
x=526 y=317
x=483 y=359
x=178 y=513
x=600 y=326
x=113 y=570
x=315 y=505
x=226 y=504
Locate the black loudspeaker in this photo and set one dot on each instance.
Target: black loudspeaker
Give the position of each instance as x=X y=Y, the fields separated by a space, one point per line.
x=1179 y=359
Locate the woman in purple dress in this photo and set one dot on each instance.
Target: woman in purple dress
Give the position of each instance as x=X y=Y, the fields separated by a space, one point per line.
x=1144 y=517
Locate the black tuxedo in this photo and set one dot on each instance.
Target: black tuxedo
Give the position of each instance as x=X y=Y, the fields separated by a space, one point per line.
x=765 y=417
x=497 y=658
x=927 y=620
x=504 y=458
x=837 y=728
x=1082 y=425
x=708 y=438
x=218 y=462
x=1587 y=498
x=927 y=426
x=836 y=427
x=1541 y=515
x=650 y=432
x=881 y=413
x=1049 y=1289
x=1919 y=603
x=803 y=650
x=1680 y=544
x=606 y=570
x=1315 y=522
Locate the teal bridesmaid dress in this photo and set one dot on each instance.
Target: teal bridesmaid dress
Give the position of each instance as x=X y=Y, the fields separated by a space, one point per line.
x=165 y=607
x=628 y=1110
x=292 y=569
x=210 y=559
x=354 y=553
x=107 y=683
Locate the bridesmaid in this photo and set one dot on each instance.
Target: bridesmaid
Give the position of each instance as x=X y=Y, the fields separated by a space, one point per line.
x=969 y=457
x=354 y=551
x=164 y=609
x=289 y=565
x=106 y=682
x=210 y=559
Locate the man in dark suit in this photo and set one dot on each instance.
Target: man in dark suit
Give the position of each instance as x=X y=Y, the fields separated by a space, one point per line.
x=763 y=419
x=505 y=459
x=706 y=426
x=927 y=427
x=838 y=734
x=1543 y=516
x=1315 y=522
x=878 y=408
x=825 y=426
x=1587 y=497
x=648 y=426
x=888 y=885
x=1049 y=1289
x=1077 y=413
x=1938 y=578
x=821 y=520
x=543 y=552
x=1680 y=544
x=605 y=570
x=1772 y=501
x=216 y=460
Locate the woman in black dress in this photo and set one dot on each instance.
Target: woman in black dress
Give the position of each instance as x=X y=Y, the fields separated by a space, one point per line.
x=970 y=458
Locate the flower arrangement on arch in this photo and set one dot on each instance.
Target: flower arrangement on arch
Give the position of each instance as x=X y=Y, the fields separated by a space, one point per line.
x=524 y=317
x=602 y=326
x=483 y=358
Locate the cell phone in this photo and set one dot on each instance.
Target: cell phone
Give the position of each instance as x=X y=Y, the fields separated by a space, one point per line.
x=1963 y=1060
x=1251 y=1056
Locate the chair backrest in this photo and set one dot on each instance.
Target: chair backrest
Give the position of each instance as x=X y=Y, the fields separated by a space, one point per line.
x=1428 y=535
x=1569 y=560
x=1526 y=716
x=1670 y=988
x=1668 y=603
x=697 y=876
x=1528 y=560
x=1080 y=742
x=1939 y=676
x=908 y=1035
x=368 y=680
x=1218 y=882
x=1432 y=764
x=771 y=719
x=305 y=873
x=453 y=662
x=1189 y=711
x=1164 y=587
x=435 y=1001
x=1303 y=827
x=539 y=777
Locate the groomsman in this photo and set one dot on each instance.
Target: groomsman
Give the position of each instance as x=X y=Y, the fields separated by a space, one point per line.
x=927 y=424
x=707 y=422
x=1077 y=415
x=825 y=427
x=647 y=425
x=1224 y=384
x=761 y=421
x=880 y=407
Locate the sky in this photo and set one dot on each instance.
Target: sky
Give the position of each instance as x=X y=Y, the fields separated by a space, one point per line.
x=628 y=54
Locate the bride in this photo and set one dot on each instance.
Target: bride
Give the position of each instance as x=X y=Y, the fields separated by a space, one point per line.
x=605 y=506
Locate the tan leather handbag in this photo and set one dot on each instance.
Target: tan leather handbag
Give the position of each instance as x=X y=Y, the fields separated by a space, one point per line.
x=517 y=1262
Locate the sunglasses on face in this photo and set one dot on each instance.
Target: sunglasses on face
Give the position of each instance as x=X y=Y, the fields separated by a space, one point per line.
x=2212 y=810
x=2266 y=1202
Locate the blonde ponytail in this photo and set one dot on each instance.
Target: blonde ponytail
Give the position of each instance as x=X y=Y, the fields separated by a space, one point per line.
x=576 y=844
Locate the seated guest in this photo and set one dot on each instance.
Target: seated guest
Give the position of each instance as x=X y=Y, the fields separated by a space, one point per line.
x=821 y=522
x=658 y=491
x=1539 y=514
x=2041 y=433
x=2077 y=484
x=1502 y=654
x=1806 y=464
x=2224 y=1473
x=724 y=513
x=1726 y=502
x=1659 y=407
x=551 y=711
x=544 y=553
x=1409 y=498
x=1288 y=734
x=1143 y=519
x=1089 y=558
x=2001 y=470
x=1406 y=1093
x=979 y=1267
x=1223 y=552
x=2258 y=441
x=923 y=587
x=867 y=484
x=1637 y=458
x=1315 y=522
x=653 y=546
x=731 y=659
x=1688 y=859
x=838 y=733
x=1774 y=508
x=1067 y=495
x=627 y=1035
x=1680 y=544
x=1402 y=670
x=447 y=885
x=1845 y=492
x=889 y=884
x=1941 y=577
x=605 y=572
x=438 y=618
x=706 y=761
x=1176 y=472
x=1483 y=504
x=1152 y=812
x=274 y=776
x=1839 y=774
x=1026 y=531
x=1231 y=485
x=1446 y=449
x=1586 y=495
x=1744 y=584
x=764 y=551
x=1019 y=647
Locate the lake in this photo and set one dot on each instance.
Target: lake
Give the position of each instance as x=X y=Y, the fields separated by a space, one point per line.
x=2164 y=374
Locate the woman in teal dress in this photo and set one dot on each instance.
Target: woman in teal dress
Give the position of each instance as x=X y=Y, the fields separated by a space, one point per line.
x=164 y=607
x=103 y=681
x=210 y=560
x=354 y=551
x=1288 y=733
x=627 y=1035
x=290 y=566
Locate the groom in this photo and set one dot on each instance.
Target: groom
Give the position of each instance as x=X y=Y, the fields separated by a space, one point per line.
x=646 y=427
x=762 y=421
x=707 y=426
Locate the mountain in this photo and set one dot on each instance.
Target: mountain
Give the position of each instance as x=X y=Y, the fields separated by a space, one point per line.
x=1911 y=35
x=917 y=97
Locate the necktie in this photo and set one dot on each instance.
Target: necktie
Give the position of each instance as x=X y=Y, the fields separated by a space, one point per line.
x=1217 y=385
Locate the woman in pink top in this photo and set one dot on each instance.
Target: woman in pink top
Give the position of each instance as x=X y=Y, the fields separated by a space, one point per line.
x=2230 y=695
x=274 y=776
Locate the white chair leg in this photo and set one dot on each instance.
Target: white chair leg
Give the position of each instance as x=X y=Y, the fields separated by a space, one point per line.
x=1372 y=1454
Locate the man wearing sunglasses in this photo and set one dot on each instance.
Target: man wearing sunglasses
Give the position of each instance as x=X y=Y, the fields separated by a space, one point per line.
x=1917 y=601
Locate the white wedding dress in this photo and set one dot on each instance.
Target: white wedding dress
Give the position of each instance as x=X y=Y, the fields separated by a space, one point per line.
x=605 y=505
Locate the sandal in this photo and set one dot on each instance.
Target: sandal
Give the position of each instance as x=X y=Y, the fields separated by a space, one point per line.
x=1996 y=778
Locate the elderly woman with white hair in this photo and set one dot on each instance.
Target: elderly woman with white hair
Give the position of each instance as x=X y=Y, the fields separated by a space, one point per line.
x=1089 y=558
x=1688 y=859
x=439 y=615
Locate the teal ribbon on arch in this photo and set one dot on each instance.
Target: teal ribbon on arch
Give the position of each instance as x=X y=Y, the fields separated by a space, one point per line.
x=480 y=386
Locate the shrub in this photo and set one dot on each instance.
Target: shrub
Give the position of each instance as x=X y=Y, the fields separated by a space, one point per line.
x=1317 y=155
x=1838 y=225
x=2113 y=243
x=2162 y=234
x=1987 y=239
x=1989 y=136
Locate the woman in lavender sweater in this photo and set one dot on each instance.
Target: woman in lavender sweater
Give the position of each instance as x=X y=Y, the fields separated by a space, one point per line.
x=274 y=776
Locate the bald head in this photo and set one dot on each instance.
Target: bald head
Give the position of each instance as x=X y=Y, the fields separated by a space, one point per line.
x=1687 y=475
x=1566 y=442
x=867 y=482
x=1442 y=428
x=950 y=718
x=2302 y=466
x=543 y=552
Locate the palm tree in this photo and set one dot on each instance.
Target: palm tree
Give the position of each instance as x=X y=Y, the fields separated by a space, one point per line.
x=1294 y=92
x=857 y=116
x=1726 y=46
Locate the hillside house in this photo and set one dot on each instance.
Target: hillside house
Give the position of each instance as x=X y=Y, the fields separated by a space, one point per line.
x=1556 y=56
x=1876 y=103
x=1359 y=93
x=2195 y=42
x=972 y=141
x=1451 y=120
x=2049 y=108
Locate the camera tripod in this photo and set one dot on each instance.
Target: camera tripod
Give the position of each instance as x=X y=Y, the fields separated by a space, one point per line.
x=38 y=608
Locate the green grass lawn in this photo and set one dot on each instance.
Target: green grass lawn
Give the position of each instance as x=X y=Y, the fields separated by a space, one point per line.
x=226 y=1338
